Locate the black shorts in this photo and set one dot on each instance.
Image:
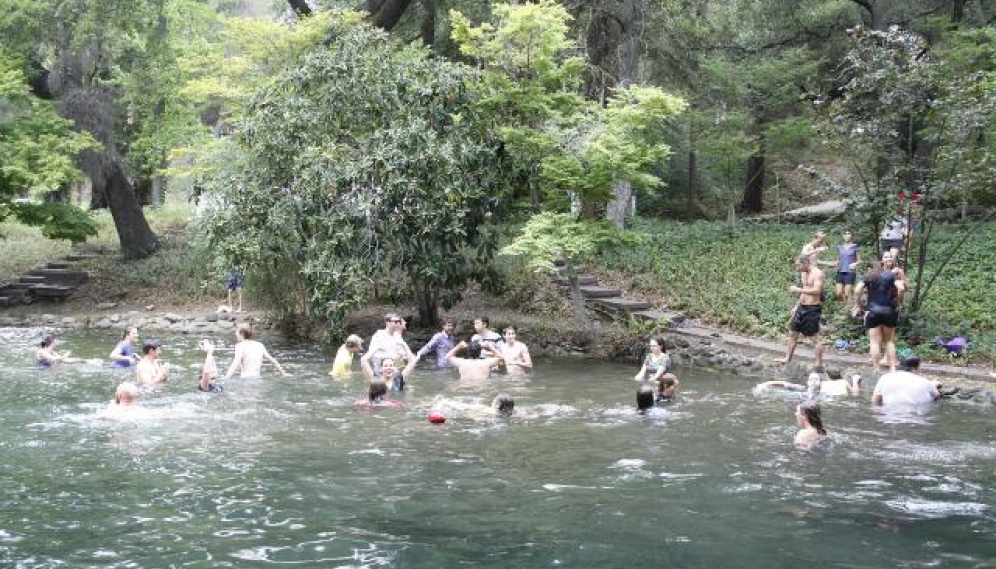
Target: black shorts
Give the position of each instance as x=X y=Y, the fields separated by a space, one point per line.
x=235 y=280
x=881 y=316
x=847 y=278
x=806 y=319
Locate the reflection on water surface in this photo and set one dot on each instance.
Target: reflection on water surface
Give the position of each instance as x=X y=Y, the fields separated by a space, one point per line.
x=284 y=472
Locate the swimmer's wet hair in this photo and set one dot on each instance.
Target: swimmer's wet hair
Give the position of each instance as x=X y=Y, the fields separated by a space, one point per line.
x=644 y=397
x=353 y=341
x=378 y=390
x=244 y=332
x=48 y=341
x=505 y=404
x=811 y=410
x=474 y=350
x=150 y=345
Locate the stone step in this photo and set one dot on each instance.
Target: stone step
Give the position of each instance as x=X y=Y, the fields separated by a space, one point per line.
x=75 y=257
x=583 y=280
x=599 y=292
x=31 y=279
x=621 y=305
x=58 y=265
x=61 y=276
x=8 y=301
x=52 y=291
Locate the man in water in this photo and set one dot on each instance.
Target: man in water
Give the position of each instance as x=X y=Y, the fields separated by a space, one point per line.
x=125 y=398
x=389 y=343
x=474 y=367
x=808 y=309
x=515 y=354
x=905 y=388
x=440 y=344
x=485 y=335
x=848 y=259
x=501 y=406
x=149 y=369
x=249 y=355
x=816 y=387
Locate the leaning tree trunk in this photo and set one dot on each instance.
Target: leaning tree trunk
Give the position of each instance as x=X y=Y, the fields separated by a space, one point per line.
x=577 y=299
x=428 y=28
x=136 y=237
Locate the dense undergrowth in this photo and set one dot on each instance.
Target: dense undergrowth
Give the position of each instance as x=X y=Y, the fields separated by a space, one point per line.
x=739 y=277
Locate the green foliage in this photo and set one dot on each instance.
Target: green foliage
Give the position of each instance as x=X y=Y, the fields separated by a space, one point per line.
x=376 y=164
x=739 y=277
x=560 y=146
x=37 y=148
x=547 y=236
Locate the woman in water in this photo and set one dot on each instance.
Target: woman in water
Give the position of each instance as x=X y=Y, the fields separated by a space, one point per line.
x=807 y=416
x=376 y=397
x=656 y=363
x=881 y=312
x=123 y=355
x=46 y=355
x=644 y=399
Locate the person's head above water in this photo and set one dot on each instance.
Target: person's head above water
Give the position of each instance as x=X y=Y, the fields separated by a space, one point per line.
x=378 y=390
x=807 y=414
x=126 y=393
x=644 y=397
x=130 y=334
x=911 y=363
x=473 y=350
x=354 y=343
x=243 y=332
x=150 y=346
x=49 y=341
x=657 y=343
x=481 y=323
x=503 y=405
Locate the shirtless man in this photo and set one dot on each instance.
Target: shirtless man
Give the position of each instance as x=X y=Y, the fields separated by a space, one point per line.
x=125 y=398
x=149 y=369
x=249 y=355
x=515 y=354
x=473 y=367
x=808 y=310
x=484 y=334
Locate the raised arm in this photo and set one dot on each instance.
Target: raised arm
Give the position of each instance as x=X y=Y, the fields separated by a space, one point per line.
x=451 y=356
x=405 y=373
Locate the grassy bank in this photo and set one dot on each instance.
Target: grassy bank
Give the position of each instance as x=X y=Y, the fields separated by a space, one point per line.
x=738 y=278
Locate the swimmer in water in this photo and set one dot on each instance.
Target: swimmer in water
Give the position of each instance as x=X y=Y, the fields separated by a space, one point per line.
x=249 y=355
x=123 y=354
x=46 y=355
x=502 y=406
x=125 y=400
x=472 y=367
x=209 y=370
x=376 y=396
x=667 y=388
x=149 y=369
x=388 y=373
x=807 y=416
x=644 y=399
x=342 y=365
x=816 y=387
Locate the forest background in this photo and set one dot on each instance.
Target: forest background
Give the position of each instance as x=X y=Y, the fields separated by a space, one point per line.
x=405 y=150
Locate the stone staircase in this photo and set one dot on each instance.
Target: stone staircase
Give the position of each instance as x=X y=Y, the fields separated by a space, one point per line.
x=54 y=280
x=610 y=303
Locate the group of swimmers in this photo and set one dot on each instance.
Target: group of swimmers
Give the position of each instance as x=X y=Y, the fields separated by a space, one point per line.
x=903 y=388
x=876 y=298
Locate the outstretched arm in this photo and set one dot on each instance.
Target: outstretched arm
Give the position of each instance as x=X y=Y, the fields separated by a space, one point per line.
x=274 y=361
x=405 y=373
x=236 y=362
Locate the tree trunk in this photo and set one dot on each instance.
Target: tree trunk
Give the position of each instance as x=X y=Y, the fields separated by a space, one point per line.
x=136 y=237
x=386 y=14
x=754 y=190
x=428 y=28
x=427 y=304
x=577 y=299
x=300 y=8
x=957 y=11
x=693 y=173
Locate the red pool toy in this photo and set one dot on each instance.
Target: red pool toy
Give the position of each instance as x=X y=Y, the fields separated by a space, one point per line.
x=437 y=418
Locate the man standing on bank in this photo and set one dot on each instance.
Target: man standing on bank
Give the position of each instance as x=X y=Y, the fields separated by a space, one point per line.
x=808 y=309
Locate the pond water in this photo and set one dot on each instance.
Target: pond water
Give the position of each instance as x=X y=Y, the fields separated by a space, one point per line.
x=284 y=472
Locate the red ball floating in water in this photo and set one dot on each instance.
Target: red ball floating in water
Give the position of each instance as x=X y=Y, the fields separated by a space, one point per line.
x=437 y=418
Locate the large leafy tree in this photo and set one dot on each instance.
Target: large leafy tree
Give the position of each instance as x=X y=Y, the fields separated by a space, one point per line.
x=37 y=151
x=361 y=161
